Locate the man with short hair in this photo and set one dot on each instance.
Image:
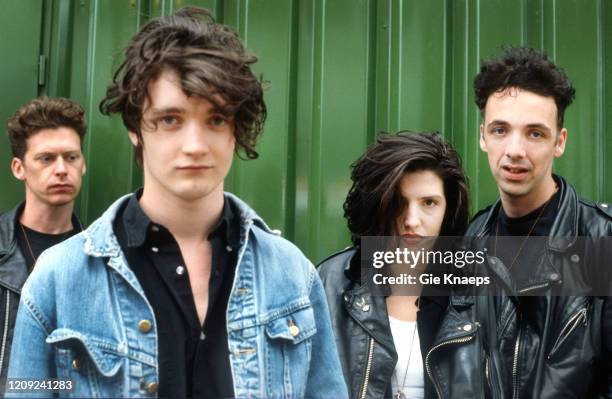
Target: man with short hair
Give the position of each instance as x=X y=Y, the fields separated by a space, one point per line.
x=535 y=335
x=46 y=137
x=180 y=289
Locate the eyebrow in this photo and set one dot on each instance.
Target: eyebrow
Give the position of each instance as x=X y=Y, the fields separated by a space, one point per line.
x=166 y=110
x=530 y=125
x=51 y=152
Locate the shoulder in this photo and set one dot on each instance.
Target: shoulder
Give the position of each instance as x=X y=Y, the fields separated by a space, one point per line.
x=59 y=264
x=273 y=243
x=478 y=220
x=336 y=262
x=596 y=217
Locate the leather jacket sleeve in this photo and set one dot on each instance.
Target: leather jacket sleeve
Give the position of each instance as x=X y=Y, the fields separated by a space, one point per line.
x=324 y=351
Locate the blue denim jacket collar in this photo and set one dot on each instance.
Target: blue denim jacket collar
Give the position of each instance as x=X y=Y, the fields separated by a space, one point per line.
x=100 y=239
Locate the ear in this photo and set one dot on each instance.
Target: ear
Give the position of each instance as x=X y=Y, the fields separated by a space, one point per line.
x=17 y=168
x=483 y=143
x=561 y=140
x=133 y=138
x=84 y=168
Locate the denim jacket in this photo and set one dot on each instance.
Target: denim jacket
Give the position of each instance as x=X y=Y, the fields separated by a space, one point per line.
x=83 y=317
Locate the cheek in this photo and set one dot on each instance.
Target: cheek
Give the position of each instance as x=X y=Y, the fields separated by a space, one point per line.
x=436 y=221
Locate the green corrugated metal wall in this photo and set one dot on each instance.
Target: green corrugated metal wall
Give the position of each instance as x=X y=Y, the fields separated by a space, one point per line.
x=338 y=71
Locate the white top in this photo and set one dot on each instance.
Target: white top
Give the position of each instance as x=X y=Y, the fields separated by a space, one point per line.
x=406 y=340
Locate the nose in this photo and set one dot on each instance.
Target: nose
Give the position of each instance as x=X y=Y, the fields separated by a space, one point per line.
x=412 y=218
x=515 y=148
x=195 y=140
x=60 y=167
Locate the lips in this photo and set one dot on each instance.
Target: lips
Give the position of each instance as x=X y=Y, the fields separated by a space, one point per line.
x=412 y=239
x=194 y=167
x=61 y=187
x=515 y=172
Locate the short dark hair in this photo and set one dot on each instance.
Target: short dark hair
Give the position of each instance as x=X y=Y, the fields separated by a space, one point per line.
x=43 y=113
x=210 y=60
x=528 y=69
x=374 y=201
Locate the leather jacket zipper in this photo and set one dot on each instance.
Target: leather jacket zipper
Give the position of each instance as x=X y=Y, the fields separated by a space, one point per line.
x=487 y=372
x=574 y=322
x=5 y=333
x=366 y=377
x=515 y=375
x=427 y=365
x=535 y=287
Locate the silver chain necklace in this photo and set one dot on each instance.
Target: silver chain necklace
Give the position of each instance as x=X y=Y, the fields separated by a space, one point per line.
x=399 y=394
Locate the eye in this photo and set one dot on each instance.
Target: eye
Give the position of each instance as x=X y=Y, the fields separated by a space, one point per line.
x=46 y=158
x=430 y=203
x=498 y=131
x=536 y=134
x=73 y=157
x=218 y=121
x=169 y=120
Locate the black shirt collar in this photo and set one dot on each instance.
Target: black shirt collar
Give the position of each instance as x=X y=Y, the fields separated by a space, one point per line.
x=137 y=224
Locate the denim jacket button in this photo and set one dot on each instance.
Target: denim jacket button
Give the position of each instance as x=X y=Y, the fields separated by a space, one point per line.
x=76 y=364
x=294 y=330
x=144 y=326
x=151 y=388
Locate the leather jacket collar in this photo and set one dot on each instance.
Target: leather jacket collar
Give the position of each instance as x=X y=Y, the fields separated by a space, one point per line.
x=564 y=231
x=13 y=274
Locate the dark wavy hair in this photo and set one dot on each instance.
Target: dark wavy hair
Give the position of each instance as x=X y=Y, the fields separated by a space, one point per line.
x=374 y=201
x=528 y=69
x=210 y=60
x=43 y=113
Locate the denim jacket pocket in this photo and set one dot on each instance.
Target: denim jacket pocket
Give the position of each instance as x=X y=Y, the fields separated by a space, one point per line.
x=288 y=352
x=294 y=327
x=90 y=363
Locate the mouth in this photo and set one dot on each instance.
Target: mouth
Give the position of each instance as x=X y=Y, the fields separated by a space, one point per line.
x=412 y=239
x=61 y=187
x=194 y=167
x=515 y=172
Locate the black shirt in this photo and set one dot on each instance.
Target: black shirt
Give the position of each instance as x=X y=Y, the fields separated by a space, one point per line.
x=32 y=243
x=193 y=359
x=519 y=253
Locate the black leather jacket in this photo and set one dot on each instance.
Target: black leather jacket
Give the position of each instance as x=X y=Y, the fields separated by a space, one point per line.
x=361 y=327
x=13 y=274
x=542 y=346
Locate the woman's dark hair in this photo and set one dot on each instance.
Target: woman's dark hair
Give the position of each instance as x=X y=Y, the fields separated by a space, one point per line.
x=374 y=201
x=210 y=60
x=528 y=69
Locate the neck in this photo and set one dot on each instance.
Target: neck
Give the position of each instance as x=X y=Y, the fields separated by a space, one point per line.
x=517 y=206
x=46 y=218
x=186 y=220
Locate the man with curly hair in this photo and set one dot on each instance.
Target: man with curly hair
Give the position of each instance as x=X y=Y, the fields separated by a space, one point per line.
x=544 y=330
x=180 y=289
x=46 y=137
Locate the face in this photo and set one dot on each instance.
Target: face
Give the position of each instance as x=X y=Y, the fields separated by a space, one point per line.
x=52 y=167
x=188 y=145
x=521 y=139
x=424 y=206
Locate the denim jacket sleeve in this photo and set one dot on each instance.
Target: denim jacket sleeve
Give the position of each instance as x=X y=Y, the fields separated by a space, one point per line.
x=31 y=356
x=323 y=382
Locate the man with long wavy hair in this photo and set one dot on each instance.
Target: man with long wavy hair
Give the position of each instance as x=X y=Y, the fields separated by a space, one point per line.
x=180 y=289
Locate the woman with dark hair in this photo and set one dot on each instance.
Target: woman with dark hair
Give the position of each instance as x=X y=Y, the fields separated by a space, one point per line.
x=410 y=185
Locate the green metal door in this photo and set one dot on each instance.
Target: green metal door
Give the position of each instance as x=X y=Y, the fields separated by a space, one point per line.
x=20 y=38
x=338 y=71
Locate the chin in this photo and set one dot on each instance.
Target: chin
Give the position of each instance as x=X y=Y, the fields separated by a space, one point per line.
x=60 y=200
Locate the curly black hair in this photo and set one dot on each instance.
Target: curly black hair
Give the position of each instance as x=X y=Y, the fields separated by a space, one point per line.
x=374 y=201
x=210 y=60
x=528 y=69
